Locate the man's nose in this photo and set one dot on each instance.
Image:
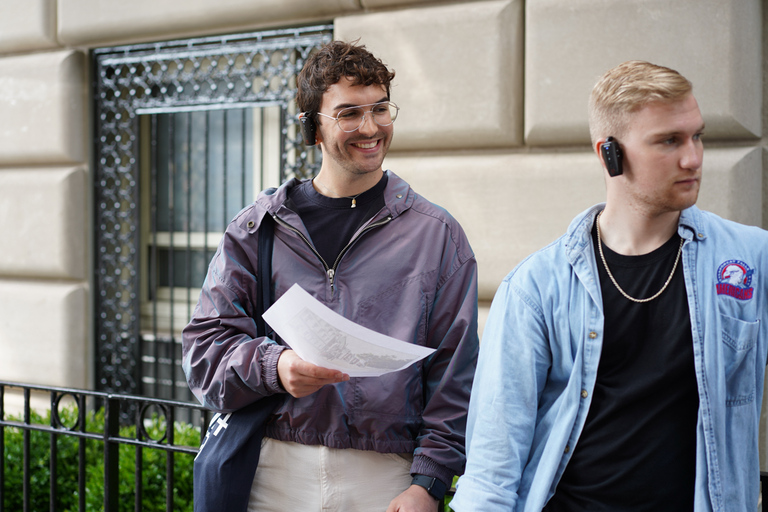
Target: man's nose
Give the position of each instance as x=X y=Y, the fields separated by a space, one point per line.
x=368 y=125
x=693 y=155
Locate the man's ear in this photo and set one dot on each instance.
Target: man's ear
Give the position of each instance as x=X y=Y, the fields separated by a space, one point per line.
x=308 y=128
x=610 y=155
x=318 y=132
x=596 y=147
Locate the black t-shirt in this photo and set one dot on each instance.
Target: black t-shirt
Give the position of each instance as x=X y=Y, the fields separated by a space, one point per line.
x=331 y=222
x=637 y=451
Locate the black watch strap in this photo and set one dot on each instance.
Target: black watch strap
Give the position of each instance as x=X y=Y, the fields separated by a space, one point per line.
x=435 y=487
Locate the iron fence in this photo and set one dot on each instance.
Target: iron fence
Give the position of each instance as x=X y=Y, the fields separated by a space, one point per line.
x=154 y=426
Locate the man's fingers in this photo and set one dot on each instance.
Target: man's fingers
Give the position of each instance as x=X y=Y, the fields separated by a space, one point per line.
x=297 y=365
x=300 y=378
x=318 y=372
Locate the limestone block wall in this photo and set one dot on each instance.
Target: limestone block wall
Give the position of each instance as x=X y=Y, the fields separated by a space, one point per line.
x=493 y=124
x=27 y=26
x=44 y=264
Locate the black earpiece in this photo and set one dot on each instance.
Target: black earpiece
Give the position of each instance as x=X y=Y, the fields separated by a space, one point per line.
x=611 y=153
x=308 y=128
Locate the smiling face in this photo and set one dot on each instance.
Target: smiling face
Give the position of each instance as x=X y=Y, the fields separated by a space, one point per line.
x=663 y=156
x=350 y=155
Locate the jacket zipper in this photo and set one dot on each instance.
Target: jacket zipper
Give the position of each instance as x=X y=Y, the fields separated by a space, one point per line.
x=331 y=271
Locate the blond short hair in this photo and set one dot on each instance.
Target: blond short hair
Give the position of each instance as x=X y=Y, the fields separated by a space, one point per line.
x=626 y=89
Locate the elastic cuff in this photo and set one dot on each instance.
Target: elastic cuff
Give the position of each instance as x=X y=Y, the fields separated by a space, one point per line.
x=269 y=368
x=423 y=465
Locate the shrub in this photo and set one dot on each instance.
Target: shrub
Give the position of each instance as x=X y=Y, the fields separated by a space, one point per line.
x=153 y=467
x=448 y=498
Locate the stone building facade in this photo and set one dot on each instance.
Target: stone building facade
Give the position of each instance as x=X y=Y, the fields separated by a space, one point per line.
x=493 y=125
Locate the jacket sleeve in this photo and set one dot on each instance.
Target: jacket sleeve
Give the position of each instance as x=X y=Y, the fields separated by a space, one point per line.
x=512 y=369
x=447 y=375
x=226 y=365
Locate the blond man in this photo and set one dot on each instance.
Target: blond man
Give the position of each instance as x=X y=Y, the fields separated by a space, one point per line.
x=622 y=366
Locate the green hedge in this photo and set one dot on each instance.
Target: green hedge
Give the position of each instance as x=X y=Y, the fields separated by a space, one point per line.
x=447 y=499
x=67 y=499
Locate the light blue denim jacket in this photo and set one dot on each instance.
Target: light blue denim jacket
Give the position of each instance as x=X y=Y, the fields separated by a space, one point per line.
x=540 y=353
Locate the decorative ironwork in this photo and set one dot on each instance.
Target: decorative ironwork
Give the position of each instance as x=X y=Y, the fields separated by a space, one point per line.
x=107 y=437
x=65 y=479
x=256 y=69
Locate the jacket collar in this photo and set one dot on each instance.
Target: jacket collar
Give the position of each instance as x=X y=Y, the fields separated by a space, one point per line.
x=691 y=224
x=578 y=238
x=398 y=196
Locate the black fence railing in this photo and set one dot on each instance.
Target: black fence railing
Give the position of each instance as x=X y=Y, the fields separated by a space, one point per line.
x=80 y=417
x=83 y=428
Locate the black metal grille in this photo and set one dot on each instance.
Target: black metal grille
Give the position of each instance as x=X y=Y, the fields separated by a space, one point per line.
x=246 y=71
x=70 y=477
x=199 y=172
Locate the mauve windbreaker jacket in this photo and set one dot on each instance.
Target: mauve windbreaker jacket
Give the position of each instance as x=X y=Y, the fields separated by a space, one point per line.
x=408 y=273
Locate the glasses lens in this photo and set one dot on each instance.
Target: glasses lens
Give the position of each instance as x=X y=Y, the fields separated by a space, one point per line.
x=384 y=113
x=352 y=118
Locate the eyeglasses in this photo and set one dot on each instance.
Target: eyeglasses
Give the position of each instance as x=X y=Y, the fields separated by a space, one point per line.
x=352 y=118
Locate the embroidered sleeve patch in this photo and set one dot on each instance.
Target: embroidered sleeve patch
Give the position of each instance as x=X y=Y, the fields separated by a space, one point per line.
x=734 y=278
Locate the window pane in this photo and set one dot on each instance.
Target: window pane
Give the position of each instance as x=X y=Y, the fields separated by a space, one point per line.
x=204 y=167
x=182 y=267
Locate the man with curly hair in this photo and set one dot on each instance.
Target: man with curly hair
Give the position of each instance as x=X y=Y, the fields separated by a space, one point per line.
x=366 y=245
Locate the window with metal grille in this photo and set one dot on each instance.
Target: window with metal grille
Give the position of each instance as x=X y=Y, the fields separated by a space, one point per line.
x=187 y=133
x=200 y=169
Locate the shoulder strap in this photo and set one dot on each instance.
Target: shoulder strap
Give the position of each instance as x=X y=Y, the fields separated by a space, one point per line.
x=223 y=472
x=265 y=294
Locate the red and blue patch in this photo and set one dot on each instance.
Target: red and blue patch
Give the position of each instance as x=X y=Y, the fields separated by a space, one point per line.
x=734 y=279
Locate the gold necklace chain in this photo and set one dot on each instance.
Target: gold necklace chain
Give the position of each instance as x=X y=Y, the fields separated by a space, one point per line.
x=625 y=294
x=353 y=198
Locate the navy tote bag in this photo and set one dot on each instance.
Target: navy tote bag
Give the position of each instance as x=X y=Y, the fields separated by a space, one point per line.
x=226 y=463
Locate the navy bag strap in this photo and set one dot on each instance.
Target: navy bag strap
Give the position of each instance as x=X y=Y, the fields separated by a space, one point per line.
x=228 y=457
x=265 y=295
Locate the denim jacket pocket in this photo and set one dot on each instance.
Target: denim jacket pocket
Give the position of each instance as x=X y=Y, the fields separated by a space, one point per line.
x=739 y=339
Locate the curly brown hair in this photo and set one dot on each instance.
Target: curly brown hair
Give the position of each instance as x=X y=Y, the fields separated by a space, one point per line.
x=331 y=62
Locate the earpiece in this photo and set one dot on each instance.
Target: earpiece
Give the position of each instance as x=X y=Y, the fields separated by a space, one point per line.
x=308 y=128
x=611 y=153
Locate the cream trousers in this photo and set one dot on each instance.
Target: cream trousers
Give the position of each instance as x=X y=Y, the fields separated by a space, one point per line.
x=293 y=476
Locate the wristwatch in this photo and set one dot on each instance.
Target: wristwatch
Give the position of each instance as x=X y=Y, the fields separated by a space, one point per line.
x=435 y=487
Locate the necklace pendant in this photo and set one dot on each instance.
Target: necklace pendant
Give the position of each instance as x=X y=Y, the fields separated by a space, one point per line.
x=354 y=203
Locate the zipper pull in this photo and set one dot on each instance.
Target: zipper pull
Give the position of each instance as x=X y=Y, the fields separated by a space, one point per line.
x=331 y=275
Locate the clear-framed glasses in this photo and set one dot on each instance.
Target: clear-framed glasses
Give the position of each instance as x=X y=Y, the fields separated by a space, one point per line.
x=350 y=119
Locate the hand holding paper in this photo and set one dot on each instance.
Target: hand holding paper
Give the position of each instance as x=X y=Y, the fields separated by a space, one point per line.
x=327 y=339
x=301 y=378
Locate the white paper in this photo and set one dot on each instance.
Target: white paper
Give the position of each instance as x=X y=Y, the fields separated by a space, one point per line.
x=325 y=338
